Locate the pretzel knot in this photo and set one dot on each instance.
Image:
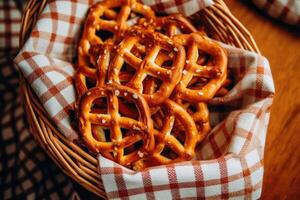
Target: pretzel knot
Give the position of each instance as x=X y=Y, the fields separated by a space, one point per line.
x=105 y=23
x=171 y=146
x=148 y=54
x=213 y=73
x=124 y=132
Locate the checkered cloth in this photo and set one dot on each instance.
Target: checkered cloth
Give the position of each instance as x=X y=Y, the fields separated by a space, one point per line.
x=26 y=171
x=231 y=157
x=285 y=10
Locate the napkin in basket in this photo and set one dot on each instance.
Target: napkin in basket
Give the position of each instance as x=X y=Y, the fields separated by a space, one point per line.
x=231 y=157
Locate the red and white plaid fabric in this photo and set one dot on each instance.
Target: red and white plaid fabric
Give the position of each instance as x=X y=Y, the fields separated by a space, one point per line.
x=10 y=22
x=285 y=10
x=231 y=157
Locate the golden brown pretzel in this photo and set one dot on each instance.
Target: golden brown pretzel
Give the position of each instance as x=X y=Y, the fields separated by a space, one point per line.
x=158 y=48
x=214 y=72
x=198 y=111
x=101 y=54
x=103 y=17
x=114 y=145
x=181 y=144
x=178 y=129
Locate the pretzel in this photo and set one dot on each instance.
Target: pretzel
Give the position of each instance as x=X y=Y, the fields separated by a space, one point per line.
x=102 y=54
x=174 y=143
x=214 y=72
x=158 y=48
x=177 y=24
x=103 y=17
x=114 y=145
x=164 y=138
x=198 y=111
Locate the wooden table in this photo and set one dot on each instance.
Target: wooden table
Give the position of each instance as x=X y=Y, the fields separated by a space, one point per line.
x=281 y=45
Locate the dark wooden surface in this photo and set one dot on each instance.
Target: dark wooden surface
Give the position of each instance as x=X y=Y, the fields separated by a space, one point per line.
x=281 y=45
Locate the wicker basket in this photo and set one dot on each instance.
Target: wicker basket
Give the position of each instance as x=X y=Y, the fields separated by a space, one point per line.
x=73 y=160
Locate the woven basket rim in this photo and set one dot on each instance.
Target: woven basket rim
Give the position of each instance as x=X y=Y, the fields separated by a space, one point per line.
x=72 y=160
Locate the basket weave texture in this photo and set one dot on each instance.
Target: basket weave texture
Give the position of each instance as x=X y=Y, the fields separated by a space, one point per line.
x=70 y=157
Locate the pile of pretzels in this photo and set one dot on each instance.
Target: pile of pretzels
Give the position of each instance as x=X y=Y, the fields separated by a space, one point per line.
x=143 y=82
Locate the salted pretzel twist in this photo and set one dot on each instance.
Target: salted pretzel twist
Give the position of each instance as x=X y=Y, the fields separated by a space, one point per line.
x=171 y=122
x=98 y=78
x=111 y=25
x=103 y=17
x=215 y=71
x=164 y=138
x=141 y=128
x=158 y=49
